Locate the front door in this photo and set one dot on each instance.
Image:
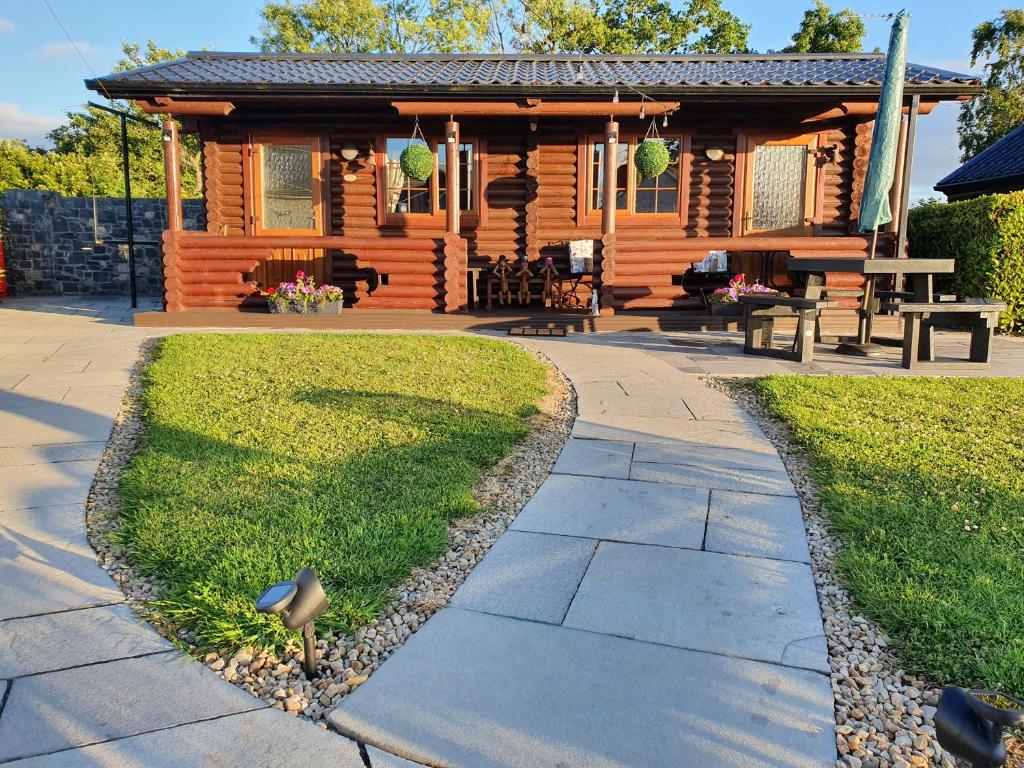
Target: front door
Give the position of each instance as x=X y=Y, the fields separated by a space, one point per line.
x=289 y=174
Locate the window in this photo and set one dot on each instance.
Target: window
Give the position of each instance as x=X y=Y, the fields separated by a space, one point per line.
x=287 y=184
x=635 y=195
x=404 y=196
x=779 y=184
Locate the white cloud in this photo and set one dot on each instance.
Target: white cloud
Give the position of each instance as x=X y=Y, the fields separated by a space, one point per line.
x=6 y=25
x=62 y=49
x=17 y=124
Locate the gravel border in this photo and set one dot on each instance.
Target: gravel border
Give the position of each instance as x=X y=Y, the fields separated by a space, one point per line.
x=884 y=717
x=344 y=662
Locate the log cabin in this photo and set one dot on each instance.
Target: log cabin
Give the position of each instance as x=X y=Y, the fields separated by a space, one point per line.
x=301 y=170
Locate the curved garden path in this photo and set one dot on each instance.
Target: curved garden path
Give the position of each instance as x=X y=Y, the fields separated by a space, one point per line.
x=652 y=605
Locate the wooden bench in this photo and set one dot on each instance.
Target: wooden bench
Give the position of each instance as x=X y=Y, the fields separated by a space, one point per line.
x=920 y=319
x=761 y=311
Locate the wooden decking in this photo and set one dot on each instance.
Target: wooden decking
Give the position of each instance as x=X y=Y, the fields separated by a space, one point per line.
x=841 y=322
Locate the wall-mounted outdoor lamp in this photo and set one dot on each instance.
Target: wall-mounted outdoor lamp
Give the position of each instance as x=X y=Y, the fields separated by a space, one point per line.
x=970 y=724
x=299 y=602
x=349 y=152
x=714 y=154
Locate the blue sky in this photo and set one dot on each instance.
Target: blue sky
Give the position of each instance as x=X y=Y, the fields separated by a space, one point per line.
x=41 y=75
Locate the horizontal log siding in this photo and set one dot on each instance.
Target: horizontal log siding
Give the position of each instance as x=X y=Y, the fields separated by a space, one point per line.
x=530 y=195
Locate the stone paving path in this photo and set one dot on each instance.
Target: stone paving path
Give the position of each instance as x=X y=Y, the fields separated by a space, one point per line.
x=653 y=604
x=82 y=681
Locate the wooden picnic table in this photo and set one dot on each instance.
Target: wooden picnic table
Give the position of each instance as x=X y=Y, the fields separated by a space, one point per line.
x=919 y=271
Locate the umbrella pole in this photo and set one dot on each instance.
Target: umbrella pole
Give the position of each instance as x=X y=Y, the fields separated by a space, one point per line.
x=874 y=243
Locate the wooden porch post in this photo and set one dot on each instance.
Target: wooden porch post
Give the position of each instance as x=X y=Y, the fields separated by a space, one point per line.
x=451 y=130
x=611 y=169
x=172 y=172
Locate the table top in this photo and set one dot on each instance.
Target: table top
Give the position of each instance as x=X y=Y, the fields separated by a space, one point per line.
x=879 y=266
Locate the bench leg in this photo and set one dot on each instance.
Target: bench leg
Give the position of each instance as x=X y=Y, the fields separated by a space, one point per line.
x=911 y=340
x=927 y=342
x=752 y=335
x=981 y=339
x=803 y=343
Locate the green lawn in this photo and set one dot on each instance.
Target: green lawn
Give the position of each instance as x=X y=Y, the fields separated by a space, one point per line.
x=347 y=453
x=924 y=480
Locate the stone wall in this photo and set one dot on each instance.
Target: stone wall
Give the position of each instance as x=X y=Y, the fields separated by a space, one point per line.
x=50 y=248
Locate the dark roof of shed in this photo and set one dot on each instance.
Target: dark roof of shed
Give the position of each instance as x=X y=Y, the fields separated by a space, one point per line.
x=212 y=74
x=1002 y=160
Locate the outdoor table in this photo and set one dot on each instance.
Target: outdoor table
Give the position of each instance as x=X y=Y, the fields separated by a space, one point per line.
x=919 y=271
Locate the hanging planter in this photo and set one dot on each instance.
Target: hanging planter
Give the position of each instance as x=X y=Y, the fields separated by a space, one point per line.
x=417 y=162
x=651 y=158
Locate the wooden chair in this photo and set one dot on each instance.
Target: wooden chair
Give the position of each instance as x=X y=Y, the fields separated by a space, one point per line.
x=761 y=311
x=920 y=319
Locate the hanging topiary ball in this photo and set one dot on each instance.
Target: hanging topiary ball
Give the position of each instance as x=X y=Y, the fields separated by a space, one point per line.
x=417 y=161
x=651 y=158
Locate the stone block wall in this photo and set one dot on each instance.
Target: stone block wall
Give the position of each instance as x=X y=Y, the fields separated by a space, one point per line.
x=50 y=248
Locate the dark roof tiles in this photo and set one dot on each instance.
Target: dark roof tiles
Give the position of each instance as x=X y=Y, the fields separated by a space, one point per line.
x=1004 y=159
x=212 y=71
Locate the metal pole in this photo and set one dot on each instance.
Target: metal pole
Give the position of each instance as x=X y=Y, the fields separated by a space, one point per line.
x=128 y=211
x=908 y=162
x=309 y=650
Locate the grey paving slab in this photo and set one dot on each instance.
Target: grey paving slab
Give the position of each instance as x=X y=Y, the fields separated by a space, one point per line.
x=639 y=404
x=111 y=700
x=654 y=429
x=758 y=525
x=725 y=478
x=50 y=423
x=381 y=759
x=744 y=453
x=38 y=485
x=617 y=510
x=738 y=606
x=598 y=458
x=471 y=690
x=46 y=454
x=47 y=565
x=71 y=638
x=527 y=575
x=264 y=738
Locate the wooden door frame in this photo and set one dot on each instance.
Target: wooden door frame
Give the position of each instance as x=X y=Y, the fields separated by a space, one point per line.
x=746 y=143
x=321 y=180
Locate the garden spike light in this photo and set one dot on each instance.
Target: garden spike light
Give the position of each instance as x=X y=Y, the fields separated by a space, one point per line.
x=969 y=724
x=299 y=602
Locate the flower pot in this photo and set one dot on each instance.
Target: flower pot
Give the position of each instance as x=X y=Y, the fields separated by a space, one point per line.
x=725 y=309
x=329 y=308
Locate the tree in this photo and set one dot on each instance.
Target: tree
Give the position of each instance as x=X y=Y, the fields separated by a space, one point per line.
x=86 y=156
x=822 y=31
x=531 y=26
x=991 y=115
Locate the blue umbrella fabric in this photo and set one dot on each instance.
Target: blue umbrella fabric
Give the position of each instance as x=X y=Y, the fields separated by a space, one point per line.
x=874 y=207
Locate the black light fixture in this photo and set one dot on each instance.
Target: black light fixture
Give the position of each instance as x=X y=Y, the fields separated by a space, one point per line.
x=299 y=602
x=969 y=724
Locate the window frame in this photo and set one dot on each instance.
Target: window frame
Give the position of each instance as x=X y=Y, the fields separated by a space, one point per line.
x=321 y=180
x=747 y=142
x=586 y=213
x=436 y=218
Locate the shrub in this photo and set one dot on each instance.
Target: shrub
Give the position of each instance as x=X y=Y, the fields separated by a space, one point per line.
x=651 y=158
x=986 y=237
x=417 y=161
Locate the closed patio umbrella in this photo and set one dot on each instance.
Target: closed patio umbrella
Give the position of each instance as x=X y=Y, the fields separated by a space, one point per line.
x=874 y=207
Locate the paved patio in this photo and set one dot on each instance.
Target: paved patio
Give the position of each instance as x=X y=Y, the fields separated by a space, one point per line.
x=82 y=681
x=652 y=605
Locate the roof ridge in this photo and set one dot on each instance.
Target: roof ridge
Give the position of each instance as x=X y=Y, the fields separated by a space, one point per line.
x=572 y=58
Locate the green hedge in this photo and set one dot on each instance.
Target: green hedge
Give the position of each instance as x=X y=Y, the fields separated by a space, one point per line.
x=986 y=237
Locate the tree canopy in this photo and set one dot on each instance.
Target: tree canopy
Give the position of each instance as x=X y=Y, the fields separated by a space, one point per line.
x=86 y=155
x=822 y=31
x=530 y=26
x=988 y=117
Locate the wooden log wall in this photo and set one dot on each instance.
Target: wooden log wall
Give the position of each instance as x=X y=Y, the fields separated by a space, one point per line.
x=200 y=272
x=530 y=191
